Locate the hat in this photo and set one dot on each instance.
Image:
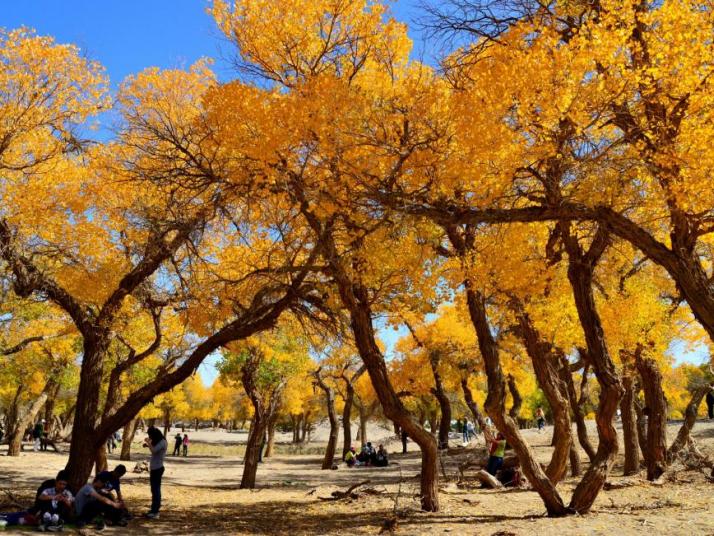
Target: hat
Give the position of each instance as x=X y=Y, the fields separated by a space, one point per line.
x=43 y=421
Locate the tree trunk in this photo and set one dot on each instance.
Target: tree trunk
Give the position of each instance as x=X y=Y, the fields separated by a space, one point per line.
x=363 y=418
x=444 y=404
x=656 y=458
x=329 y=458
x=690 y=418
x=347 y=418
x=50 y=409
x=515 y=410
x=580 y=274
x=475 y=411
x=496 y=405
x=23 y=420
x=167 y=421
x=547 y=362
x=575 y=468
x=576 y=404
x=271 y=437
x=100 y=463
x=127 y=438
x=629 y=427
x=252 y=451
x=85 y=443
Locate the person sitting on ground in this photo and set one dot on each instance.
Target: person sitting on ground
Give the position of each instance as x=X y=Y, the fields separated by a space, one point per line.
x=113 y=484
x=178 y=441
x=91 y=505
x=49 y=483
x=185 y=445
x=55 y=504
x=363 y=456
x=496 y=453
x=371 y=453
x=381 y=458
x=351 y=457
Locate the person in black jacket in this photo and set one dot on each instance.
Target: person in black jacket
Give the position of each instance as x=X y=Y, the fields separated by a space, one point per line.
x=710 y=403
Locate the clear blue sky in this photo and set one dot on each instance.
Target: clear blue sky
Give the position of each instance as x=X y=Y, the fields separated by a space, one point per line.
x=127 y=36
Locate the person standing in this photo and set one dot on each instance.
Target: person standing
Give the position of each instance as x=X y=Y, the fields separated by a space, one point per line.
x=178 y=441
x=37 y=432
x=540 y=419
x=185 y=445
x=157 y=444
x=710 y=403
x=405 y=437
x=465 y=433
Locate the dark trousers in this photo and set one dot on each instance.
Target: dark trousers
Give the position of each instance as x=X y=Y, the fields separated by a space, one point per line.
x=710 y=407
x=99 y=509
x=177 y=449
x=155 y=480
x=494 y=464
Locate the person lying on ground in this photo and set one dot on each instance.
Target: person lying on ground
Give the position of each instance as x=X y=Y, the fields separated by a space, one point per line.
x=91 y=505
x=55 y=504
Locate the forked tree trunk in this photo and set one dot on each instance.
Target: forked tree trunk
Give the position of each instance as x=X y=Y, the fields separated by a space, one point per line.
x=580 y=274
x=329 y=458
x=629 y=427
x=656 y=458
x=516 y=397
x=546 y=362
x=496 y=405
x=690 y=418
x=475 y=411
x=127 y=438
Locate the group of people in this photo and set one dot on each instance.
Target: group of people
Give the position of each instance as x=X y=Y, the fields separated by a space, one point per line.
x=100 y=502
x=367 y=456
x=181 y=442
x=466 y=429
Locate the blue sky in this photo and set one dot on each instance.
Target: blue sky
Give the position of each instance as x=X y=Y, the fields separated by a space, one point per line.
x=127 y=36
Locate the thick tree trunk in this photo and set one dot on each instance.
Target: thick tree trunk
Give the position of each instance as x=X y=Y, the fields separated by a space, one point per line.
x=50 y=409
x=127 y=438
x=475 y=411
x=656 y=458
x=252 y=451
x=167 y=421
x=85 y=442
x=690 y=418
x=629 y=427
x=496 y=406
x=516 y=397
x=580 y=274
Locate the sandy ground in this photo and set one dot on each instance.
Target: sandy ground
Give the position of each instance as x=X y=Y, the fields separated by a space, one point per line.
x=201 y=495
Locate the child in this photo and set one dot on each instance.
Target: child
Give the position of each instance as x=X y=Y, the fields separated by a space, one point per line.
x=540 y=418
x=497 y=451
x=55 y=505
x=185 y=444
